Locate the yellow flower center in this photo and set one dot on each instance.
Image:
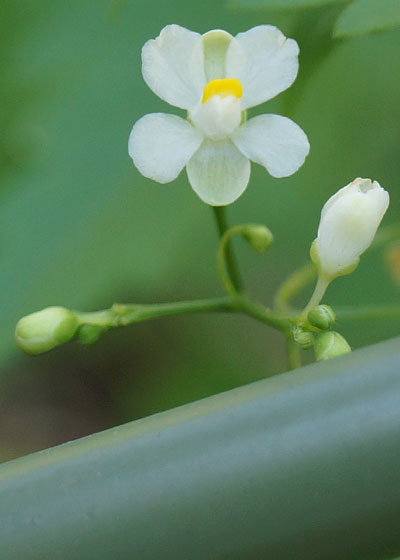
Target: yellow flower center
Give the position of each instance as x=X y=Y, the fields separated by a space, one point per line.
x=222 y=87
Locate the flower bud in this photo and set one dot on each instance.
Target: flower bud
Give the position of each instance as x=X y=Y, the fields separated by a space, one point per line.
x=305 y=339
x=323 y=317
x=44 y=330
x=349 y=220
x=330 y=344
x=259 y=237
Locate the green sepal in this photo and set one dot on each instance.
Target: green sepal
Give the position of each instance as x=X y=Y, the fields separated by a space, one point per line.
x=89 y=334
x=305 y=339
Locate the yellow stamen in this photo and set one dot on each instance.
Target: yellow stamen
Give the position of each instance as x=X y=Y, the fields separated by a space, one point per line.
x=222 y=87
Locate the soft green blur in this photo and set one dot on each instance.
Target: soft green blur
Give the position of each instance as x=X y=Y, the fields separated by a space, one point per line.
x=81 y=228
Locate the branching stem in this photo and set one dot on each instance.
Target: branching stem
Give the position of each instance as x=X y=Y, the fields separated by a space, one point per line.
x=231 y=264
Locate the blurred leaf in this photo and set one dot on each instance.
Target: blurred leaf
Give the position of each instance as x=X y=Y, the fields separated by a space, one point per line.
x=89 y=227
x=368 y=16
x=282 y=4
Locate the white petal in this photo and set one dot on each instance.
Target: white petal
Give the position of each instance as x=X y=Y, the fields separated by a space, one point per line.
x=345 y=232
x=380 y=199
x=173 y=66
x=264 y=61
x=371 y=189
x=218 y=172
x=215 y=44
x=161 y=145
x=273 y=141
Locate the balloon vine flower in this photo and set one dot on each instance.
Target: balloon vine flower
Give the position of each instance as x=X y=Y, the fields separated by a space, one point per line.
x=216 y=77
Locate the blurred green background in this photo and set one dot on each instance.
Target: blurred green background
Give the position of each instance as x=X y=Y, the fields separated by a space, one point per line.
x=80 y=227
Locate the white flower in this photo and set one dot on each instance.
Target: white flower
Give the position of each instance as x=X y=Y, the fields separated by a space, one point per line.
x=349 y=220
x=215 y=77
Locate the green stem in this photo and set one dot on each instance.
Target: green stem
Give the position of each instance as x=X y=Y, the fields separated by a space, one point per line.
x=222 y=261
x=293 y=352
x=124 y=314
x=246 y=305
x=296 y=282
x=231 y=264
x=367 y=312
x=318 y=294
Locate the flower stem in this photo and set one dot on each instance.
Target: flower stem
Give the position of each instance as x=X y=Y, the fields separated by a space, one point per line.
x=231 y=264
x=222 y=261
x=357 y=313
x=293 y=284
x=122 y=314
x=293 y=352
x=318 y=294
x=244 y=304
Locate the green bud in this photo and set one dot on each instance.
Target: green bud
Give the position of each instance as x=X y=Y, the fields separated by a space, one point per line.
x=259 y=237
x=323 y=317
x=88 y=334
x=44 y=330
x=305 y=339
x=330 y=344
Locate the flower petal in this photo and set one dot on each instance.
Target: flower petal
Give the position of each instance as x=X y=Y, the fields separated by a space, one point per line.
x=161 y=145
x=215 y=44
x=275 y=142
x=218 y=172
x=264 y=61
x=173 y=66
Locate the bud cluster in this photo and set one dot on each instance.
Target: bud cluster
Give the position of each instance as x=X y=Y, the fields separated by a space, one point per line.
x=328 y=344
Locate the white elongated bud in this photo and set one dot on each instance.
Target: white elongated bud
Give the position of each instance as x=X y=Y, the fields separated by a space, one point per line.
x=44 y=330
x=349 y=220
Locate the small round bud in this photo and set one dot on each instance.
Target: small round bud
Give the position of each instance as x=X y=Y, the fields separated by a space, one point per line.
x=259 y=237
x=44 y=330
x=330 y=344
x=323 y=317
x=89 y=334
x=305 y=339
